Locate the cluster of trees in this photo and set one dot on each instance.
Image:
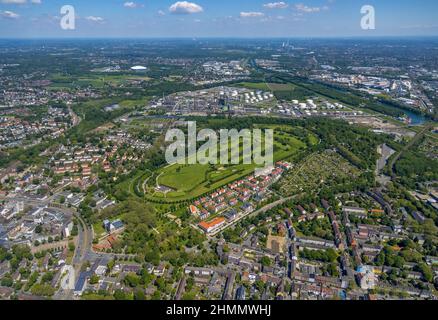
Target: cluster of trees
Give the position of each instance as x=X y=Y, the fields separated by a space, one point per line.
x=329 y=255
x=4 y=254
x=356 y=144
x=26 y=157
x=266 y=261
x=426 y=271
x=389 y=257
x=45 y=290
x=233 y=234
x=145 y=237
x=37 y=284
x=138 y=282
x=143 y=278
x=320 y=228
x=414 y=167
x=411 y=204
x=397 y=258
x=17 y=254
x=331 y=269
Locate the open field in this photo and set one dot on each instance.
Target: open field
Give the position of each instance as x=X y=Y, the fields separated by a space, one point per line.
x=183 y=178
x=189 y=181
x=255 y=86
x=95 y=80
x=282 y=91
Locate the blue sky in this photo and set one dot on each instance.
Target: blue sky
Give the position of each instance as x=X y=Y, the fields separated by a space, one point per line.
x=217 y=18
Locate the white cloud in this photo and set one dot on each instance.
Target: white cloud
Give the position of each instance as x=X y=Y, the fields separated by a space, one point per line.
x=9 y=15
x=420 y=26
x=161 y=13
x=185 y=7
x=20 y=1
x=13 y=1
x=95 y=19
x=130 y=4
x=306 y=9
x=276 y=5
x=251 y=14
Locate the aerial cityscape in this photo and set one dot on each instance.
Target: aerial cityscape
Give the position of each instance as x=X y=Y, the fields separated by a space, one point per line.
x=92 y=209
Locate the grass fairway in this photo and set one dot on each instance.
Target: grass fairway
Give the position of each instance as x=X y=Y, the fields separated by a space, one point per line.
x=183 y=177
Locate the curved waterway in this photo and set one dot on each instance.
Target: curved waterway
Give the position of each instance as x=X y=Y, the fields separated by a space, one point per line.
x=416 y=118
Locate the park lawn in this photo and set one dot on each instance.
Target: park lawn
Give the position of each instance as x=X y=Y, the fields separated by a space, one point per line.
x=191 y=181
x=313 y=139
x=134 y=103
x=99 y=231
x=222 y=173
x=216 y=180
x=175 y=194
x=183 y=177
x=198 y=183
x=97 y=80
x=291 y=142
x=279 y=133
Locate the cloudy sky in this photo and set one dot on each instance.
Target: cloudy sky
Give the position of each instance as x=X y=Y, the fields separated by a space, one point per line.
x=216 y=18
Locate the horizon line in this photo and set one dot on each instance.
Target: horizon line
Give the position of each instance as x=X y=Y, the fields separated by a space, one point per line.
x=219 y=37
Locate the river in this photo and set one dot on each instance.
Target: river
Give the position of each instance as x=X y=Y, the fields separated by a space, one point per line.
x=416 y=118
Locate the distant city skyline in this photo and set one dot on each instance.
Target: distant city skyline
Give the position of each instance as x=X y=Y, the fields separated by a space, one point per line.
x=207 y=18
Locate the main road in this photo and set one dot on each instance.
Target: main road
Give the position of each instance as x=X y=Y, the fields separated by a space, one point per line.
x=264 y=209
x=84 y=244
